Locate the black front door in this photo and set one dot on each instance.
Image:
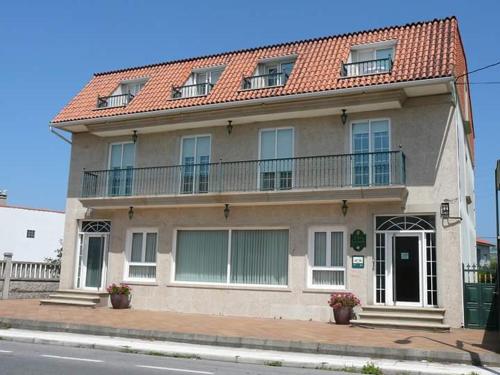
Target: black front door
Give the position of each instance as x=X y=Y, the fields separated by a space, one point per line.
x=406 y=269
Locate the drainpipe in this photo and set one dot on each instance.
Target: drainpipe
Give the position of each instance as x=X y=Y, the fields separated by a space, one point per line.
x=59 y=135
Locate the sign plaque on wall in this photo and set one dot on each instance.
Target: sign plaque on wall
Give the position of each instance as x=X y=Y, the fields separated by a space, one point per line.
x=358 y=261
x=358 y=240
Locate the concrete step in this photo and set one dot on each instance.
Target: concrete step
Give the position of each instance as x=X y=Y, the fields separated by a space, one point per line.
x=84 y=292
x=389 y=323
x=76 y=297
x=67 y=302
x=67 y=296
x=404 y=316
x=404 y=309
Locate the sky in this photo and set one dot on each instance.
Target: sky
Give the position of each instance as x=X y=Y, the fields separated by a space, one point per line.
x=50 y=49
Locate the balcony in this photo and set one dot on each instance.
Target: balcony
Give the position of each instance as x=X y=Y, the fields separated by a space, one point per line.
x=265 y=80
x=353 y=175
x=114 y=100
x=189 y=91
x=368 y=67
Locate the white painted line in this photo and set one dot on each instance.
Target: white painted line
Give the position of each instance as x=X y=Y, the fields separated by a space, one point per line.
x=176 y=369
x=71 y=358
x=5 y=351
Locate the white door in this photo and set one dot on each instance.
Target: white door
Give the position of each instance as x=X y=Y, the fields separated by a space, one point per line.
x=195 y=160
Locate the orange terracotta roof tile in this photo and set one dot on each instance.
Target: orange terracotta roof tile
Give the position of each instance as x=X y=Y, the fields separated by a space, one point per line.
x=423 y=50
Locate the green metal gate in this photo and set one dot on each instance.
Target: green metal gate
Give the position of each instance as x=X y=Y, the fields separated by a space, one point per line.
x=480 y=307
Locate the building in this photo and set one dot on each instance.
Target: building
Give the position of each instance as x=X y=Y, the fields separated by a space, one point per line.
x=30 y=234
x=256 y=182
x=486 y=252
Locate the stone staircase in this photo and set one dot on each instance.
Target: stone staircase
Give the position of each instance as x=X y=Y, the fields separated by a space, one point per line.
x=76 y=297
x=402 y=317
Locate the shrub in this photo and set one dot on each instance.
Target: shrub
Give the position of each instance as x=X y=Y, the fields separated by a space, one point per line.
x=370 y=368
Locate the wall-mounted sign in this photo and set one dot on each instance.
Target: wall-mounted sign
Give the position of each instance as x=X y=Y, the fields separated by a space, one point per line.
x=358 y=240
x=358 y=261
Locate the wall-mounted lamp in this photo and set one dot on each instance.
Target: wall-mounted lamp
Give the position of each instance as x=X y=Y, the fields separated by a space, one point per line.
x=344 y=207
x=226 y=210
x=130 y=213
x=134 y=136
x=343 y=117
x=229 y=127
x=445 y=212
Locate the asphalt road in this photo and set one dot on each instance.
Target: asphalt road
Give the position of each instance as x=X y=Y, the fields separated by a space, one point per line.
x=26 y=359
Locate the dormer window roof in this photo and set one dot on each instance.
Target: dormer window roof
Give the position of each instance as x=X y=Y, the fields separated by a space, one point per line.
x=199 y=83
x=373 y=58
x=123 y=94
x=270 y=73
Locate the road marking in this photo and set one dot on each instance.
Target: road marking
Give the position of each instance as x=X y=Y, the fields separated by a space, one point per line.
x=176 y=369
x=71 y=358
x=5 y=351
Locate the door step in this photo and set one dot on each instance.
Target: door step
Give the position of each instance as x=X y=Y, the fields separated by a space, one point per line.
x=402 y=317
x=75 y=297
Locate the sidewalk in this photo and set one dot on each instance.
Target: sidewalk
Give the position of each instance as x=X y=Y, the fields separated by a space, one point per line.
x=460 y=345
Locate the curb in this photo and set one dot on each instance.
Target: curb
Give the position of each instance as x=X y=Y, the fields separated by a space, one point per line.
x=476 y=359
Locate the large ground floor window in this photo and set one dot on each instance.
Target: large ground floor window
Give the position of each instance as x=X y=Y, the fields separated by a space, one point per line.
x=242 y=257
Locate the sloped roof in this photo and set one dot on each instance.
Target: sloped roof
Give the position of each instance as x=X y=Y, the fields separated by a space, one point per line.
x=423 y=50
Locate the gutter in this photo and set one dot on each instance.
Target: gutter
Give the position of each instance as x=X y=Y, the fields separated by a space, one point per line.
x=59 y=135
x=274 y=99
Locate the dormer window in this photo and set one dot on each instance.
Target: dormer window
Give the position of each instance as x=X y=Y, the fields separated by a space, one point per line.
x=373 y=59
x=200 y=83
x=270 y=73
x=123 y=95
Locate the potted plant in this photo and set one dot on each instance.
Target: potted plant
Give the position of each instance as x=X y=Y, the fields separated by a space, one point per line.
x=342 y=305
x=120 y=295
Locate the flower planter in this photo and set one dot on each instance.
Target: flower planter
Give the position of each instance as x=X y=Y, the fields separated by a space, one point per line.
x=120 y=301
x=342 y=314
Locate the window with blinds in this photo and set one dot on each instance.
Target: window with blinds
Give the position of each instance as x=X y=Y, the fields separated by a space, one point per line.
x=141 y=255
x=327 y=258
x=243 y=257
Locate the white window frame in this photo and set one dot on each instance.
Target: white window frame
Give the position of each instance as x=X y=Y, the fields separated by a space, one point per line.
x=370 y=144
x=195 y=170
x=373 y=48
x=310 y=256
x=275 y=151
x=128 y=254
x=228 y=283
x=122 y=145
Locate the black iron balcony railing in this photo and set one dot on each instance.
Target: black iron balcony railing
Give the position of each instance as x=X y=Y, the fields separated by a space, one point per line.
x=265 y=80
x=303 y=173
x=366 y=67
x=189 y=91
x=114 y=100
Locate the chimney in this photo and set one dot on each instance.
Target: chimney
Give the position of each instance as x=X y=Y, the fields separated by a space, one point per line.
x=3 y=198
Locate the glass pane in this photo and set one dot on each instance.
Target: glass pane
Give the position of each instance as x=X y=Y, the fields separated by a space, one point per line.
x=203 y=149
x=385 y=53
x=285 y=143
x=259 y=257
x=202 y=256
x=188 y=149
x=380 y=143
x=360 y=144
x=128 y=155
x=201 y=77
x=286 y=69
x=150 y=256
x=334 y=278
x=142 y=272
x=320 y=249
x=215 y=75
x=136 y=253
x=116 y=156
x=95 y=248
x=337 y=249
x=267 y=144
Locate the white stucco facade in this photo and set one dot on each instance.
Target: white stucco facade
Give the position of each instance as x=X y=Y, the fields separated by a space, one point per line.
x=15 y=222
